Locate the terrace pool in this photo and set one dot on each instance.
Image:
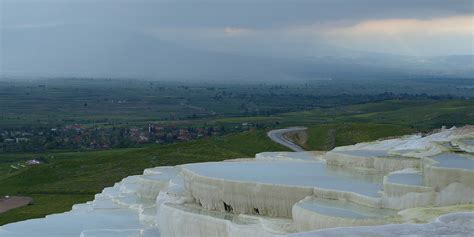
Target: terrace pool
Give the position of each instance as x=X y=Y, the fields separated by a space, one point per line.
x=369 y=153
x=306 y=174
x=468 y=142
x=414 y=179
x=343 y=209
x=454 y=160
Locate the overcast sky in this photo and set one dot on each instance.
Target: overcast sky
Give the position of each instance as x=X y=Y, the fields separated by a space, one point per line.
x=45 y=36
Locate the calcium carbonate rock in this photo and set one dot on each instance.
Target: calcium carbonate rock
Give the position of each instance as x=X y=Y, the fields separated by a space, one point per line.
x=244 y=197
x=288 y=156
x=441 y=170
x=192 y=220
x=456 y=224
x=454 y=194
x=465 y=144
x=271 y=188
x=370 y=159
x=314 y=213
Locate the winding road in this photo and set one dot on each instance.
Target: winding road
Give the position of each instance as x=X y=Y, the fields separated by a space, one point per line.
x=278 y=137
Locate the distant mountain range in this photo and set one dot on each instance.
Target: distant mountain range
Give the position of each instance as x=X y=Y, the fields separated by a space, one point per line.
x=65 y=52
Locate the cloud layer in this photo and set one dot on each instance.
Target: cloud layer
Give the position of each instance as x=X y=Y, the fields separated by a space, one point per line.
x=253 y=28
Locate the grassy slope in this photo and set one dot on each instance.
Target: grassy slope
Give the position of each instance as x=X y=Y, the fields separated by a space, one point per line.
x=421 y=114
x=347 y=125
x=326 y=137
x=71 y=178
x=367 y=122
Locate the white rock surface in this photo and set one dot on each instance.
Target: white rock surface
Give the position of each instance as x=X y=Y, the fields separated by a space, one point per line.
x=456 y=224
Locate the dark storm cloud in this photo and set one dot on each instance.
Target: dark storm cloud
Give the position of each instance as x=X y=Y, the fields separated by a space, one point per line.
x=243 y=13
x=103 y=37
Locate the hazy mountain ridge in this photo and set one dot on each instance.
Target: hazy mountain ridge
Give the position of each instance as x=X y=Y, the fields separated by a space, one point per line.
x=119 y=54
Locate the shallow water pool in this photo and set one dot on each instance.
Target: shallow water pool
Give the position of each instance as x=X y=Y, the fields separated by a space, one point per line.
x=468 y=142
x=454 y=160
x=366 y=153
x=344 y=209
x=307 y=174
x=406 y=178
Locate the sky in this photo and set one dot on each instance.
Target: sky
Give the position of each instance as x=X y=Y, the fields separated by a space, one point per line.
x=205 y=38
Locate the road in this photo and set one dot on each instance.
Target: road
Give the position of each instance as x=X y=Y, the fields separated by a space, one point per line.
x=277 y=136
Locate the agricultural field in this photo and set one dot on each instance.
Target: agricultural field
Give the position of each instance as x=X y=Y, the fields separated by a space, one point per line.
x=56 y=102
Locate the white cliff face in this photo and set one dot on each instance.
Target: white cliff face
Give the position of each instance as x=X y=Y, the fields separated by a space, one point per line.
x=288 y=156
x=368 y=159
x=288 y=193
x=464 y=144
x=193 y=220
x=316 y=213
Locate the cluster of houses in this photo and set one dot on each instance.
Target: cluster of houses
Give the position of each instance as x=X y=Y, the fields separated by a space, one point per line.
x=78 y=136
x=163 y=134
x=15 y=136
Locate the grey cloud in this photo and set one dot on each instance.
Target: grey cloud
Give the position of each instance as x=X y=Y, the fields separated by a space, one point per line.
x=112 y=37
x=241 y=13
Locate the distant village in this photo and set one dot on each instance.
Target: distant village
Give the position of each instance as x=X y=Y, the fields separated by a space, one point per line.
x=79 y=136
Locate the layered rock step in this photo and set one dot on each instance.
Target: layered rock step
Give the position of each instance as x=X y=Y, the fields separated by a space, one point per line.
x=379 y=160
x=402 y=183
x=194 y=220
x=315 y=213
x=271 y=188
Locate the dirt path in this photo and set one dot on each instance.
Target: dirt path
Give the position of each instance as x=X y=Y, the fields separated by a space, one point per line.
x=13 y=202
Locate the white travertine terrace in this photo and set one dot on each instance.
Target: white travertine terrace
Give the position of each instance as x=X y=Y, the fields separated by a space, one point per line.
x=289 y=156
x=367 y=189
x=272 y=192
x=314 y=213
x=370 y=159
x=455 y=224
